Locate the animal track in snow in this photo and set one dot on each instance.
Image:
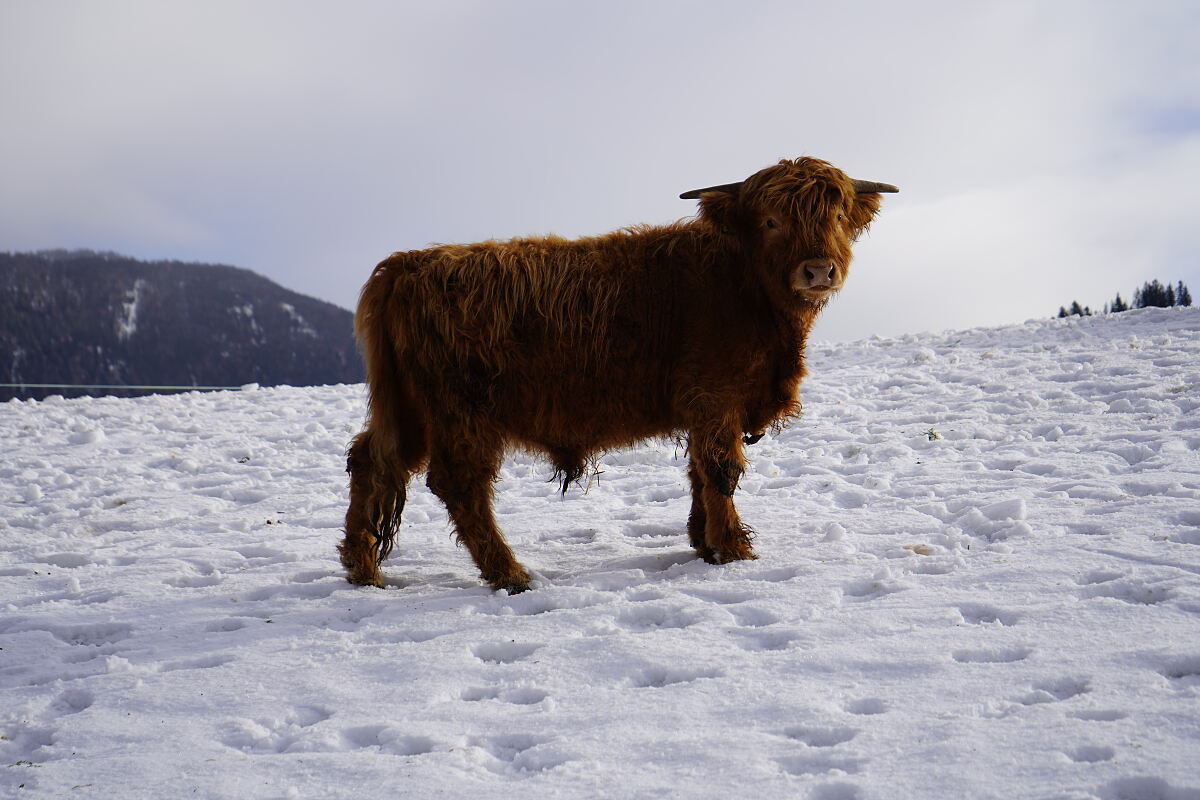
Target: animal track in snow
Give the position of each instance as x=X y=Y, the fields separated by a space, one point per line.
x=867 y=706
x=204 y=662
x=513 y=695
x=721 y=596
x=835 y=791
x=659 y=677
x=543 y=601
x=755 y=640
x=991 y=655
x=575 y=537
x=1099 y=715
x=820 y=737
x=648 y=618
x=1090 y=754
x=312 y=591
x=228 y=625
x=91 y=634
x=72 y=701
x=388 y=739
x=753 y=617
x=1053 y=691
x=1146 y=788
x=871 y=589
x=976 y=614
x=504 y=652
x=195 y=581
x=1130 y=591
x=290 y=734
x=820 y=764
x=520 y=753
x=1183 y=671
x=1097 y=576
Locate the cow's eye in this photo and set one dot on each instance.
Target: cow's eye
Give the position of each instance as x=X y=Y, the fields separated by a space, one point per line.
x=771 y=223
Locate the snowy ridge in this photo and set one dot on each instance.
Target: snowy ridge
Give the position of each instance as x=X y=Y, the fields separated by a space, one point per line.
x=979 y=577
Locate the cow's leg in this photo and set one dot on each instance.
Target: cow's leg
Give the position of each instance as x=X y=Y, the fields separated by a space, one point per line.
x=697 y=517
x=716 y=465
x=377 y=494
x=462 y=468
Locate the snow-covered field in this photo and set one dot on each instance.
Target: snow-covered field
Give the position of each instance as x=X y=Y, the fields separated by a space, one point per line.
x=979 y=577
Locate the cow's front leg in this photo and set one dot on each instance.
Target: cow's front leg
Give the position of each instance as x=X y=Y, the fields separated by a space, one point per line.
x=715 y=465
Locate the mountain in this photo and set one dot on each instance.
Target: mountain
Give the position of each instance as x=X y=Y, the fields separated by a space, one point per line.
x=86 y=318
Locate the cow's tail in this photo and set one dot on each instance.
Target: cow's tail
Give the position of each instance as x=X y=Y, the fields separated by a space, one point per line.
x=392 y=446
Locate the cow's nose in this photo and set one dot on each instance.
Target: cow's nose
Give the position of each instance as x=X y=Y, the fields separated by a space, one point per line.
x=818 y=272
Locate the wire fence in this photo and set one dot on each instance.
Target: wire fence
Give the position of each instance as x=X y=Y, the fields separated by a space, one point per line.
x=121 y=386
x=41 y=390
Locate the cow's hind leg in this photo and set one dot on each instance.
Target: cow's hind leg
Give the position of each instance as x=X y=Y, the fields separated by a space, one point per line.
x=462 y=469
x=377 y=495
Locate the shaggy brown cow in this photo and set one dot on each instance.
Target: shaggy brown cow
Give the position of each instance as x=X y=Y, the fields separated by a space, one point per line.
x=694 y=330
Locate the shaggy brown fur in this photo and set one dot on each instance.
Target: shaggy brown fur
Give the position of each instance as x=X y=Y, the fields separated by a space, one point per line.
x=574 y=347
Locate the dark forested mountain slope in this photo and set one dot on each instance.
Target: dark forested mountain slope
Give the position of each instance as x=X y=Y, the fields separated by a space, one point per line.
x=96 y=318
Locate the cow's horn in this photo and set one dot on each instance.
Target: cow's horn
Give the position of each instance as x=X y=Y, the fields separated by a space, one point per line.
x=867 y=187
x=728 y=188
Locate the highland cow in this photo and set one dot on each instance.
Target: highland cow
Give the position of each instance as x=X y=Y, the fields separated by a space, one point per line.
x=569 y=348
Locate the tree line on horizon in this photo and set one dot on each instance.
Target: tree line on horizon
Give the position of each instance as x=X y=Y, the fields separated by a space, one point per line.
x=1152 y=295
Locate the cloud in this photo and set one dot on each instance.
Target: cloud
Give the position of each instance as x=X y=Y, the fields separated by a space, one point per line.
x=1045 y=152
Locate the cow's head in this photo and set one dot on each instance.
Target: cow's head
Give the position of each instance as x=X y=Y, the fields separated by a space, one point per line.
x=796 y=221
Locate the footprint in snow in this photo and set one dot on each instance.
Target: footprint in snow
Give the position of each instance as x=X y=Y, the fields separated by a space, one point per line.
x=660 y=677
x=752 y=617
x=867 y=706
x=1146 y=788
x=980 y=614
x=835 y=791
x=1182 y=672
x=814 y=736
x=1090 y=754
x=520 y=754
x=1099 y=715
x=72 y=701
x=504 y=652
x=1054 y=691
x=757 y=641
x=1134 y=591
x=649 y=618
x=513 y=695
x=388 y=740
x=820 y=764
x=992 y=655
x=93 y=634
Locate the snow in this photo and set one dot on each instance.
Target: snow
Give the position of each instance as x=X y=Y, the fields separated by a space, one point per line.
x=300 y=322
x=979 y=576
x=127 y=320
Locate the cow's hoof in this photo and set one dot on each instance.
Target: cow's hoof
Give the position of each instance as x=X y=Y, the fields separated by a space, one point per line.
x=729 y=556
x=513 y=583
x=365 y=576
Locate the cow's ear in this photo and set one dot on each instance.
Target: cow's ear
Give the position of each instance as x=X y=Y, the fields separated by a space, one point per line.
x=719 y=209
x=864 y=209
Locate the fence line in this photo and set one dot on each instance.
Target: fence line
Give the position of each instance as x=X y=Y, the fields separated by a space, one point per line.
x=130 y=388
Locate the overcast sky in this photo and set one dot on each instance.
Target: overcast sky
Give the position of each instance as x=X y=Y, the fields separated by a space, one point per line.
x=1046 y=151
